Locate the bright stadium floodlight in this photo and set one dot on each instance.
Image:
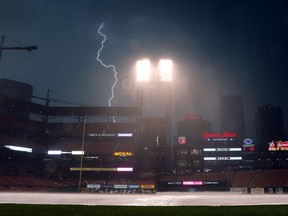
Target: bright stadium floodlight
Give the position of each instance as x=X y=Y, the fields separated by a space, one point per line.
x=165 y=67
x=143 y=70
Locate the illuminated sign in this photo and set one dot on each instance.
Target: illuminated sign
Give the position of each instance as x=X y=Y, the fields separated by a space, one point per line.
x=54 y=152
x=59 y=152
x=110 y=134
x=181 y=140
x=192 y=182
x=222 y=158
x=226 y=135
x=19 y=148
x=221 y=149
x=125 y=134
x=124 y=169
x=211 y=182
x=123 y=154
x=120 y=186
x=278 y=146
x=92 y=169
x=110 y=186
x=77 y=152
x=134 y=186
x=96 y=186
x=147 y=186
x=174 y=183
x=248 y=141
x=101 y=134
x=192 y=117
x=248 y=147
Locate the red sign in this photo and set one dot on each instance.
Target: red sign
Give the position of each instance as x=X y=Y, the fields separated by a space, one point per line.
x=192 y=117
x=225 y=134
x=181 y=140
x=280 y=146
x=248 y=148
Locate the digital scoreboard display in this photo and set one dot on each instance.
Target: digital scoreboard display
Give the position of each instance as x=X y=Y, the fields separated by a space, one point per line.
x=110 y=135
x=222 y=158
x=123 y=154
x=221 y=149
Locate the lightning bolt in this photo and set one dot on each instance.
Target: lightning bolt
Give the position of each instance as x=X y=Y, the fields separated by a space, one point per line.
x=107 y=66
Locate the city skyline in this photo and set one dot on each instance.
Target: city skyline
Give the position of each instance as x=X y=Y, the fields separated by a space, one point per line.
x=218 y=48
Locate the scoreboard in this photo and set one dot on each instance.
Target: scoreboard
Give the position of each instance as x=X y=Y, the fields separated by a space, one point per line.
x=221 y=147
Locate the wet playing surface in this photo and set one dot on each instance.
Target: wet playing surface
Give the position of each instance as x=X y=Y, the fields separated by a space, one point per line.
x=159 y=199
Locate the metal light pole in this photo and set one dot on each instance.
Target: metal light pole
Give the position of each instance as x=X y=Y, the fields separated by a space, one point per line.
x=143 y=77
x=82 y=152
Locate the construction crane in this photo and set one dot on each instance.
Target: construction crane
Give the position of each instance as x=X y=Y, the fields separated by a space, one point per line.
x=47 y=100
x=28 y=48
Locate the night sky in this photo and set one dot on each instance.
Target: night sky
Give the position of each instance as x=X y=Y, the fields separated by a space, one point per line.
x=219 y=47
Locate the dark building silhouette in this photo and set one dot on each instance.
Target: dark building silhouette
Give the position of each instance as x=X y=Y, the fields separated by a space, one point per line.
x=269 y=125
x=153 y=131
x=193 y=129
x=15 y=89
x=232 y=115
x=188 y=148
x=153 y=150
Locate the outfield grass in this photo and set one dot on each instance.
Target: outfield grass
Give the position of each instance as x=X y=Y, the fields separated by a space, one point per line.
x=78 y=210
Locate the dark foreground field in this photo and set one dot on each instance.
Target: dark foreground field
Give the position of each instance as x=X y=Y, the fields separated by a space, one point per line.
x=79 y=210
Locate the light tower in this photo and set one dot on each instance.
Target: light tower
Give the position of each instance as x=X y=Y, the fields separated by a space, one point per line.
x=164 y=80
x=165 y=66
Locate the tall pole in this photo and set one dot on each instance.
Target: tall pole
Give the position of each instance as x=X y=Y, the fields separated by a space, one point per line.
x=82 y=152
x=168 y=121
x=139 y=98
x=1 y=46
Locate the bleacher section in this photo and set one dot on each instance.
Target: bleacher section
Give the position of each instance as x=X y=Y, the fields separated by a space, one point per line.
x=237 y=179
x=241 y=179
x=33 y=184
x=245 y=179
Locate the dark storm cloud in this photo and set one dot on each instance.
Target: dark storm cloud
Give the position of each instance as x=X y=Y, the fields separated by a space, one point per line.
x=219 y=47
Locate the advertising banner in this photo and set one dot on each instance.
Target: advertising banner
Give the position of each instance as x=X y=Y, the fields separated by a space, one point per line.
x=278 y=146
x=225 y=136
x=147 y=186
x=134 y=186
x=117 y=186
x=96 y=186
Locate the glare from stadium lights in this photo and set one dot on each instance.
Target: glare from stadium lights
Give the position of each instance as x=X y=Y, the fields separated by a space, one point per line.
x=54 y=152
x=77 y=153
x=124 y=169
x=19 y=148
x=165 y=67
x=143 y=70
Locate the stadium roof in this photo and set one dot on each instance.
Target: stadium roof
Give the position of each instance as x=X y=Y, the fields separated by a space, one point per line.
x=17 y=104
